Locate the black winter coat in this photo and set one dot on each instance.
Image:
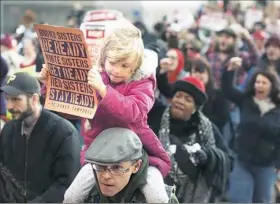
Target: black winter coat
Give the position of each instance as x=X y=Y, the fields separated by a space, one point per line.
x=258 y=136
x=47 y=161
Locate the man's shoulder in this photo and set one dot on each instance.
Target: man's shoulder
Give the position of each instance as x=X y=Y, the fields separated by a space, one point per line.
x=57 y=122
x=10 y=126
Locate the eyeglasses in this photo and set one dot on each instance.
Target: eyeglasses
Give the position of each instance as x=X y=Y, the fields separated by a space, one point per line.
x=116 y=170
x=199 y=69
x=172 y=57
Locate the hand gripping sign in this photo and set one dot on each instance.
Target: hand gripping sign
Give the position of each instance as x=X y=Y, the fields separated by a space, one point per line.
x=95 y=27
x=66 y=55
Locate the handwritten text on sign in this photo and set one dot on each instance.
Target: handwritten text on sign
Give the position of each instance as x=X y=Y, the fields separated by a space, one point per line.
x=66 y=55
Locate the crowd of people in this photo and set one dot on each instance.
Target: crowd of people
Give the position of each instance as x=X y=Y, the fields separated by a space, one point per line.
x=182 y=116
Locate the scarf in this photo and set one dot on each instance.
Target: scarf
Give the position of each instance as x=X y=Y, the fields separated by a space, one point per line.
x=264 y=105
x=189 y=191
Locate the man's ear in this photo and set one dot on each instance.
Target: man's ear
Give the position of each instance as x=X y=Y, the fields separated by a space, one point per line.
x=137 y=166
x=35 y=99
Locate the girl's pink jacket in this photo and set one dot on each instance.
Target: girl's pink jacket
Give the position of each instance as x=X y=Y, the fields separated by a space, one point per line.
x=127 y=105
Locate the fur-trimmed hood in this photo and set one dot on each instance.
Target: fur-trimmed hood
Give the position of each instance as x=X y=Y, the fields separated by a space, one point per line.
x=148 y=67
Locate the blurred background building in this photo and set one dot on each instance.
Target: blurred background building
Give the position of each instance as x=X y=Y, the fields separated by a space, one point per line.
x=56 y=12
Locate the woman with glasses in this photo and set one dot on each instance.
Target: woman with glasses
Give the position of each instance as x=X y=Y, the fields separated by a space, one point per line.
x=173 y=65
x=171 y=69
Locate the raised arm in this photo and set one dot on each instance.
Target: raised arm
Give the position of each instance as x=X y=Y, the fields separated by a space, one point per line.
x=163 y=85
x=230 y=91
x=162 y=81
x=252 y=51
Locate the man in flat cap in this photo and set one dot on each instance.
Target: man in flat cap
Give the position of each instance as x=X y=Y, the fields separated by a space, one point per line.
x=119 y=165
x=116 y=171
x=118 y=162
x=40 y=149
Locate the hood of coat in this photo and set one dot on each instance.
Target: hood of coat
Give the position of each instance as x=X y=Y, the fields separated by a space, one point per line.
x=148 y=67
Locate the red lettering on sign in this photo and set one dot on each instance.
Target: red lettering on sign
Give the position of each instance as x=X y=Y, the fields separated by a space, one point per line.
x=95 y=34
x=93 y=16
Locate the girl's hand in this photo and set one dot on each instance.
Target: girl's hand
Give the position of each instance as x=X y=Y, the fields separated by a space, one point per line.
x=234 y=63
x=87 y=125
x=95 y=80
x=44 y=74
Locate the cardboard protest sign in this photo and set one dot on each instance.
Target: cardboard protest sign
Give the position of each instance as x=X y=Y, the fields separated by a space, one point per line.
x=95 y=27
x=66 y=55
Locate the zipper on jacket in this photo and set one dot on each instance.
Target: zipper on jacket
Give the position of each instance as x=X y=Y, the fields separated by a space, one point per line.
x=25 y=166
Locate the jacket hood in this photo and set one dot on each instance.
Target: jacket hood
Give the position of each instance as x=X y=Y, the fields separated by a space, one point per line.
x=148 y=67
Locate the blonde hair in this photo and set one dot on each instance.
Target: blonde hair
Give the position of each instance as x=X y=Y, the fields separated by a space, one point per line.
x=122 y=43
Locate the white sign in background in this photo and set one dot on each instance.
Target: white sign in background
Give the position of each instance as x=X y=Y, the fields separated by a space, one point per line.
x=97 y=24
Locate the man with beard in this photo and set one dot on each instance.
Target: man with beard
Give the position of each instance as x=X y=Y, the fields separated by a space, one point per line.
x=226 y=48
x=40 y=148
x=271 y=58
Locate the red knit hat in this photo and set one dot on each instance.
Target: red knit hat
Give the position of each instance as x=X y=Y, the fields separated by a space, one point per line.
x=192 y=86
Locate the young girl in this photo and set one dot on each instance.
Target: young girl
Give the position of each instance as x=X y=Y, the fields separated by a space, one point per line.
x=126 y=94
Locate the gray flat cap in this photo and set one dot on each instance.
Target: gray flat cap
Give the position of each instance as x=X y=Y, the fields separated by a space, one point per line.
x=114 y=145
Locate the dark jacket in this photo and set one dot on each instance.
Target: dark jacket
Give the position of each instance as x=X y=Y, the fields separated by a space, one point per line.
x=216 y=108
x=47 y=161
x=219 y=162
x=258 y=137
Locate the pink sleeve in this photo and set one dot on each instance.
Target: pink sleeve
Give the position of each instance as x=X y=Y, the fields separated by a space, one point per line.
x=132 y=106
x=158 y=157
x=161 y=165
